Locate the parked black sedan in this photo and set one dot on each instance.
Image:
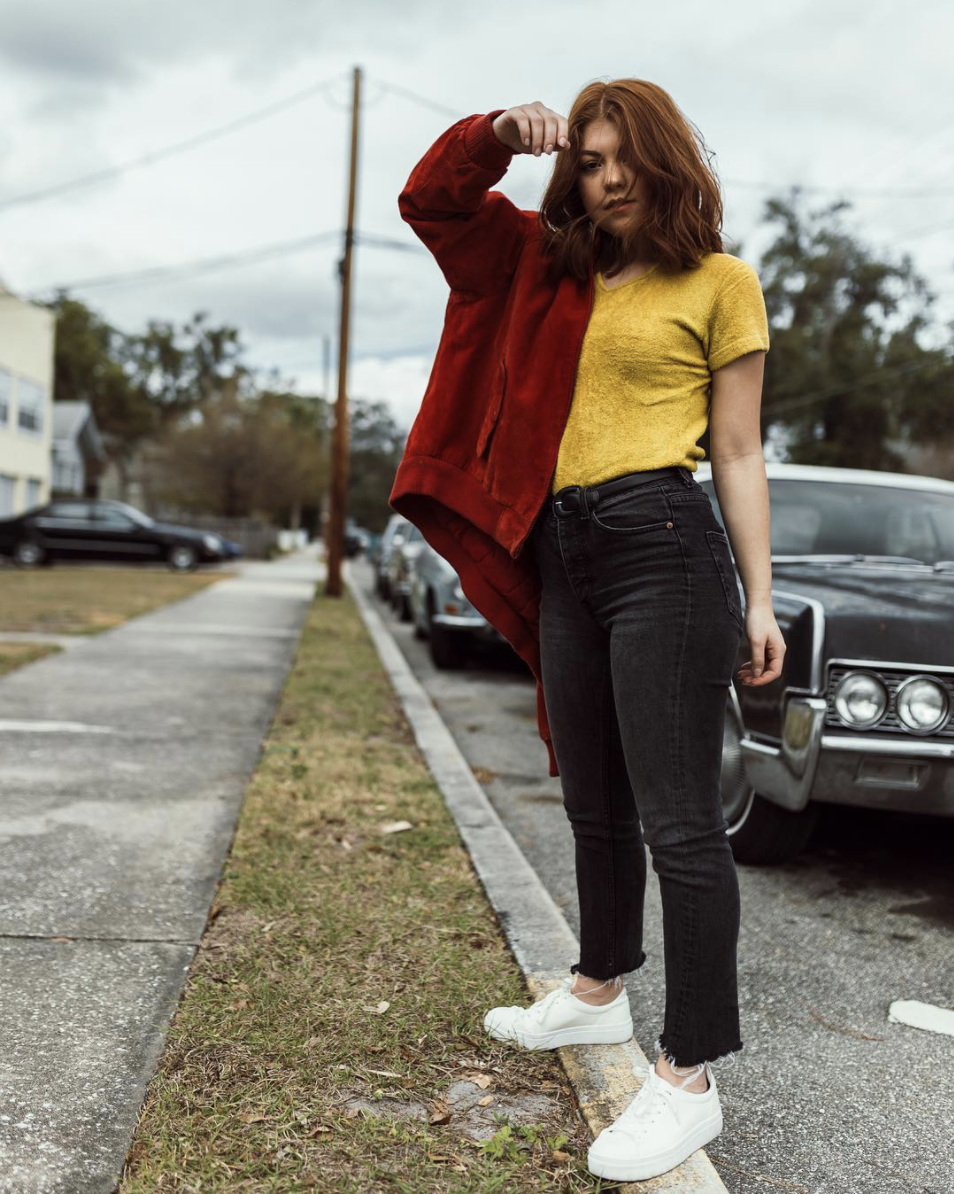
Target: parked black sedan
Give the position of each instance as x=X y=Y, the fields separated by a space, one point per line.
x=86 y=529
x=863 y=712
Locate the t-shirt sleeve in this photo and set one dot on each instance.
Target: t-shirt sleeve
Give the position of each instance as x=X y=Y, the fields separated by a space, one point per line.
x=737 y=319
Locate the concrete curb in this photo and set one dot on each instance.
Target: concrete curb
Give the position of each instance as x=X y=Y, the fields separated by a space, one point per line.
x=602 y=1076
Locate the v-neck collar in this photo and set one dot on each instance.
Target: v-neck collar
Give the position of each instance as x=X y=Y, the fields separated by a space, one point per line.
x=600 y=281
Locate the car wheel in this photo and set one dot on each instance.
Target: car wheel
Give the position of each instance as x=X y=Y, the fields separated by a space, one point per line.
x=420 y=628
x=449 y=648
x=759 y=831
x=28 y=554
x=182 y=558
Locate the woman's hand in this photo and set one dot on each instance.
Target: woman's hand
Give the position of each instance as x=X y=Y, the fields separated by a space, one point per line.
x=532 y=128
x=767 y=643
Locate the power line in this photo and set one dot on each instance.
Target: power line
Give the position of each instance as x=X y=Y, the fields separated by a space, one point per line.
x=229 y=260
x=158 y=155
x=202 y=265
x=434 y=105
x=858 y=192
x=836 y=391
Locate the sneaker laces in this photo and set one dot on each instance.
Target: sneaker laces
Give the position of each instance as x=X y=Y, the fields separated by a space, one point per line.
x=651 y=1101
x=559 y=995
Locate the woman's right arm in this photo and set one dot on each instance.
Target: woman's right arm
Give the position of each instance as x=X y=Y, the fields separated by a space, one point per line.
x=476 y=234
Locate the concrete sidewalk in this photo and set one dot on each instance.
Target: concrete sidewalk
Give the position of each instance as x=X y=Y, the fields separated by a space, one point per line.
x=123 y=765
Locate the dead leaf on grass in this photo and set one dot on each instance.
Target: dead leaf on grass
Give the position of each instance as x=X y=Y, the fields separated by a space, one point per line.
x=396 y=826
x=559 y=1155
x=439 y=1113
x=478 y=1079
x=248 y=1118
x=384 y=1073
x=485 y=1101
x=379 y=1009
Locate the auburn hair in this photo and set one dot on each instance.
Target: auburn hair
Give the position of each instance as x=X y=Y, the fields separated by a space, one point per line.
x=683 y=219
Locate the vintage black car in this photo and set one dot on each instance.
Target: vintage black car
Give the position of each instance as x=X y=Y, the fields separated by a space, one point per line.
x=863 y=713
x=88 y=529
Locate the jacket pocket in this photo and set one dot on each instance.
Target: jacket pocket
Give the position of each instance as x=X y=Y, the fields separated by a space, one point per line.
x=493 y=411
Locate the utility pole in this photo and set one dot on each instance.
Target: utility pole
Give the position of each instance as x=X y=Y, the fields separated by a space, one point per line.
x=339 y=461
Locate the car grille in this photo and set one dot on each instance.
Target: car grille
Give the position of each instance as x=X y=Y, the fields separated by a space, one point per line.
x=890 y=724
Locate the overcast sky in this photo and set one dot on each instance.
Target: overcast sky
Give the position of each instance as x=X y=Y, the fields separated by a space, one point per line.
x=853 y=97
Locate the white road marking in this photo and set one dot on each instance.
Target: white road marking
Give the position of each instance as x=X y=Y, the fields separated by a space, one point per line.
x=916 y=1014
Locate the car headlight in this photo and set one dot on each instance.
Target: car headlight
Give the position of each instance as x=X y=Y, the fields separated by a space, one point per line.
x=212 y=542
x=860 y=699
x=922 y=704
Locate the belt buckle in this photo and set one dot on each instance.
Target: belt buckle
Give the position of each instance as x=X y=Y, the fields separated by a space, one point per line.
x=574 y=492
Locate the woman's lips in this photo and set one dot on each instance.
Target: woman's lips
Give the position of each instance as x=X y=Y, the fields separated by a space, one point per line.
x=620 y=206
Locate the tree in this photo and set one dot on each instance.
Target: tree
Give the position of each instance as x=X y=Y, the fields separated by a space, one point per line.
x=848 y=380
x=376 y=443
x=241 y=455
x=88 y=367
x=178 y=369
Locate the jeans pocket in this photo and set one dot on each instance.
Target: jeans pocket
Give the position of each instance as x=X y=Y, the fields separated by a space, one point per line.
x=719 y=548
x=634 y=511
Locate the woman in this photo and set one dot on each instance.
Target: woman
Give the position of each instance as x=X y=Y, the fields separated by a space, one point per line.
x=639 y=616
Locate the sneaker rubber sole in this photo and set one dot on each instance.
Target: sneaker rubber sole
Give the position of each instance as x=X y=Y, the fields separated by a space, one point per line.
x=655 y=1164
x=608 y=1034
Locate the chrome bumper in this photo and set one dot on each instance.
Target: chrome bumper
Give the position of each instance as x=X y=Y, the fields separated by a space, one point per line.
x=475 y=625
x=907 y=775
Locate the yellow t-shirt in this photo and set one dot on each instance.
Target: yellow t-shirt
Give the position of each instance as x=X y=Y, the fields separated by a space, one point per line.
x=641 y=399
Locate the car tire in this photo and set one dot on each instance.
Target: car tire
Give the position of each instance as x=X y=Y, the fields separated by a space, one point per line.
x=449 y=648
x=760 y=832
x=182 y=558
x=27 y=553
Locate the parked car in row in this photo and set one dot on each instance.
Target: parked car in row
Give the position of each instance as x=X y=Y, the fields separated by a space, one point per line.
x=425 y=589
x=95 y=529
x=863 y=713
x=380 y=558
x=442 y=614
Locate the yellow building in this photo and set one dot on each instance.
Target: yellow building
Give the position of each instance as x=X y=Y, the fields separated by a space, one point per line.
x=26 y=403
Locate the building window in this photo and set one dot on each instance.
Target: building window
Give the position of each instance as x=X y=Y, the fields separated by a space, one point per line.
x=32 y=492
x=6 y=388
x=30 y=402
x=7 y=489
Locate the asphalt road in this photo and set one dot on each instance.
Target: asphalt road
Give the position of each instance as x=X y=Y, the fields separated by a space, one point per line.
x=827 y=1095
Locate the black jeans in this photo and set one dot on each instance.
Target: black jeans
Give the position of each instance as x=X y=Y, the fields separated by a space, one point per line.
x=640 y=627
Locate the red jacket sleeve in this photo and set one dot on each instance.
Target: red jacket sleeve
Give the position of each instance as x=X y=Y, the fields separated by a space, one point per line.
x=475 y=234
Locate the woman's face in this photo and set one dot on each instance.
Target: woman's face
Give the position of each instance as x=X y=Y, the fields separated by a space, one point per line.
x=604 y=180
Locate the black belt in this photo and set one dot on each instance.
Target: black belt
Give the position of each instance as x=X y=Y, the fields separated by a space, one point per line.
x=574 y=498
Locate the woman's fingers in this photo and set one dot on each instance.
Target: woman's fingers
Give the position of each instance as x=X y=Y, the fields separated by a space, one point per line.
x=532 y=128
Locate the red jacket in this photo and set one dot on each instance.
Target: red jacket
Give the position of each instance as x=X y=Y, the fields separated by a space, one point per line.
x=481 y=452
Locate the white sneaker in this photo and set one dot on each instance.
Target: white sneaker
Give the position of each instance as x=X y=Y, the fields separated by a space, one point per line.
x=559 y=1018
x=661 y=1127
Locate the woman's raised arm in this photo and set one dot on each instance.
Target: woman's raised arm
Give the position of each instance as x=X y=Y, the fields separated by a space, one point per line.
x=476 y=234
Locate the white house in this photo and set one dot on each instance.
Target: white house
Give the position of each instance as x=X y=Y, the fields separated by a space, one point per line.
x=26 y=403
x=78 y=448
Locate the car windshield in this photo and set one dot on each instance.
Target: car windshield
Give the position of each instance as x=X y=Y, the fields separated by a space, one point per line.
x=131 y=512
x=846 y=518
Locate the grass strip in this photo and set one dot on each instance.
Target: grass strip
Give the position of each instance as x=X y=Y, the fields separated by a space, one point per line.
x=87 y=600
x=14 y=655
x=329 y=1036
